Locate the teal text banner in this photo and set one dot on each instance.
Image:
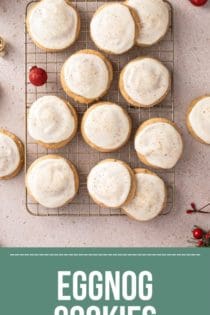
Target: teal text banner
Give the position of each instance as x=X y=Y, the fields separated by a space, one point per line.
x=112 y=281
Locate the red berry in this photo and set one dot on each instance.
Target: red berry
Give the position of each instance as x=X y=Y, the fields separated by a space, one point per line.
x=197 y=233
x=37 y=76
x=198 y=3
x=190 y=211
x=207 y=236
x=200 y=243
x=193 y=205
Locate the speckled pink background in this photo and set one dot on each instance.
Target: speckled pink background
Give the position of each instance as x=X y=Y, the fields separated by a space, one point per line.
x=192 y=79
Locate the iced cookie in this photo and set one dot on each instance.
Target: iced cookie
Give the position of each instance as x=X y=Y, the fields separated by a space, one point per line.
x=198 y=119
x=86 y=76
x=144 y=82
x=113 y=28
x=52 y=181
x=53 y=25
x=106 y=126
x=52 y=122
x=150 y=198
x=158 y=143
x=111 y=183
x=154 y=19
x=11 y=154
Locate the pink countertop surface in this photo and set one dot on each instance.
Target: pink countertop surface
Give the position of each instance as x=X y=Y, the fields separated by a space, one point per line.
x=191 y=79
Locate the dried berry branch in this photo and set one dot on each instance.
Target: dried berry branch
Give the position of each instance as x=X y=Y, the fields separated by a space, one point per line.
x=196 y=210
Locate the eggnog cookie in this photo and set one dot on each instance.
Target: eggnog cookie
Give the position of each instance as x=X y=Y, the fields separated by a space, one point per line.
x=106 y=126
x=154 y=19
x=86 y=76
x=11 y=154
x=52 y=181
x=158 y=143
x=150 y=198
x=144 y=82
x=53 y=25
x=111 y=183
x=198 y=119
x=113 y=28
x=52 y=122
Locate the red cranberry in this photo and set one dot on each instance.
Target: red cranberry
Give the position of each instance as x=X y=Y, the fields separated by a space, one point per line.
x=198 y=3
x=207 y=236
x=197 y=233
x=37 y=76
x=200 y=243
x=190 y=211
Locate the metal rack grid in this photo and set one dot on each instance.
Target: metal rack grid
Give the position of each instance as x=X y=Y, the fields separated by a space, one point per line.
x=77 y=151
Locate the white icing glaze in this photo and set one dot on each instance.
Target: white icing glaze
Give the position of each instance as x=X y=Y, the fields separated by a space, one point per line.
x=109 y=183
x=106 y=126
x=154 y=20
x=149 y=199
x=199 y=119
x=146 y=80
x=160 y=144
x=51 y=182
x=53 y=24
x=86 y=75
x=50 y=120
x=113 y=28
x=9 y=155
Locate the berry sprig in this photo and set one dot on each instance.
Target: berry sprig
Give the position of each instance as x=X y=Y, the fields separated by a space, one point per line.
x=201 y=238
x=194 y=209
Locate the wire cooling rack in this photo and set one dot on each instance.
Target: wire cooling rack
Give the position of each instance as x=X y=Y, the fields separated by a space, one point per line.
x=77 y=151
